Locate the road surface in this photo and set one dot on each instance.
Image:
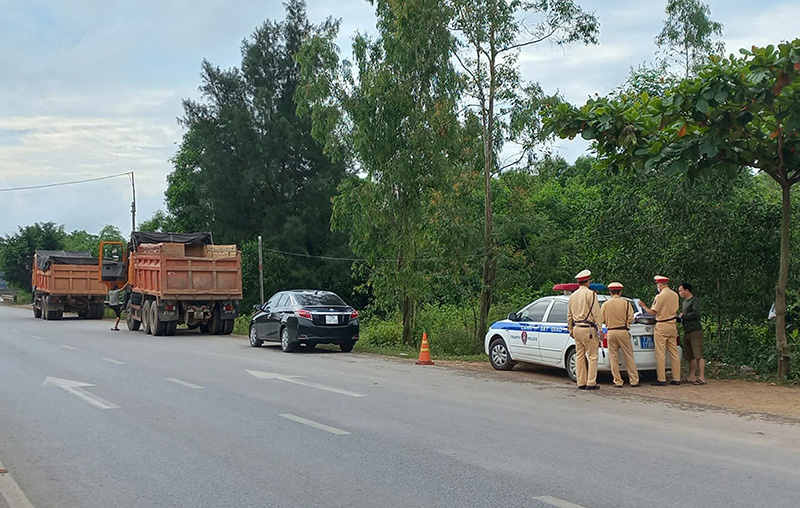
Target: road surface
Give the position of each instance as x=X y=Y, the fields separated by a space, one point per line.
x=94 y=418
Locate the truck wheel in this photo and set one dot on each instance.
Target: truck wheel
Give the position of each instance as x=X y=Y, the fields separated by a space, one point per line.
x=157 y=327
x=146 y=317
x=37 y=311
x=133 y=324
x=58 y=314
x=227 y=326
x=171 y=327
x=96 y=310
x=204 y=328
x=217 y=324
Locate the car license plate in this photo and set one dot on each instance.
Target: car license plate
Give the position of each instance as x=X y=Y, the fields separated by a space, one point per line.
x=331 y=319
x=646 y=342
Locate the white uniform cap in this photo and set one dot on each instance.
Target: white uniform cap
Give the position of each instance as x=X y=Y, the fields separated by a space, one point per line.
x=583 y=275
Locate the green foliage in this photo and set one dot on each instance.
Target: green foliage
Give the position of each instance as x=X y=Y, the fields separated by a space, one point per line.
x=242 y=324
x=398 y=119
x=16 y=254
x=687 y=36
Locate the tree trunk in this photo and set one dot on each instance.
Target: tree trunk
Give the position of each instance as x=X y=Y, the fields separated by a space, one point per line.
x=783 y=279
x=407 y=308
x=489 y=261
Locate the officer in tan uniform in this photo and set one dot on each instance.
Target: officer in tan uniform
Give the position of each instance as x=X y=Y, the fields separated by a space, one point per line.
x=665 y=308
x=583 y=319
x=617 y=314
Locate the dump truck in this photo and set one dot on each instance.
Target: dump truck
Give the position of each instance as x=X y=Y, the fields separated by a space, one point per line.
x=66 y=281
x=175 y=278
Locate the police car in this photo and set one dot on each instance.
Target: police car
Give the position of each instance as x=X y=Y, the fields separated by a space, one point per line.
x=538 y=334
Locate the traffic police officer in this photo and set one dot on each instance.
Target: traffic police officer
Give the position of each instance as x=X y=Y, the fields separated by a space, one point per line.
x=665 y=308
x=583 y=317
x=617 y=314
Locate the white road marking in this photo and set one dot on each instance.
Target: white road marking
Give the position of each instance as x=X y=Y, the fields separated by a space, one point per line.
x=184 y=383
x=11 y=491
x=77 y=388
x=314 y=424
x=114 y=361
x=294 y=379
x=554 y=501
x=68 y=347
x=37 y=337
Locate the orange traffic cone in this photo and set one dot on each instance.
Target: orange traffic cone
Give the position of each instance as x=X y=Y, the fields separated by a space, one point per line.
x=424 y=352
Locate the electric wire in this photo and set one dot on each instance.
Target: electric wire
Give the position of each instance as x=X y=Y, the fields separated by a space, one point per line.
x=30 y=187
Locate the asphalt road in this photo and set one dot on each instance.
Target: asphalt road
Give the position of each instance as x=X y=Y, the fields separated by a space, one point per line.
x=94 y=418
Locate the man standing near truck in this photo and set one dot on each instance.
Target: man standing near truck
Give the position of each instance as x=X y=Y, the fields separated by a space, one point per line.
x=115 y=303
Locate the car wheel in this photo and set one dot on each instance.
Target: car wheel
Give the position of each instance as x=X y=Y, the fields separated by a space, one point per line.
x=569 y=362
x=286 y=345
x=254 y=341
x=204 y=328
x=346 y=347
x=499 y=356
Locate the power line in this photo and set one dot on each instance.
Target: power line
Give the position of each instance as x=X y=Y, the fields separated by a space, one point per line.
x=65 y=183
x=363 y=260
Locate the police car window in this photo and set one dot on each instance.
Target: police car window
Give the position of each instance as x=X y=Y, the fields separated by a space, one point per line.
x=535 y=312
x=283 y=302
x=558 y=313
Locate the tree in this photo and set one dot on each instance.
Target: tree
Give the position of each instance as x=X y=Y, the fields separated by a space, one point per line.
x=687 y=36
x=16 y=255
x=740 y=112
x=248 y=165
x=492 y=33
x=398 y=118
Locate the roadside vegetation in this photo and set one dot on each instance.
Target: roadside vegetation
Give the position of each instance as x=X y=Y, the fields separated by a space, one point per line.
x=417 y=181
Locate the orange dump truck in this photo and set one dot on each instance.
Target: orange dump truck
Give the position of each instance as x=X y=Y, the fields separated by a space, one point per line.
x=182 y=278
x=66 y=281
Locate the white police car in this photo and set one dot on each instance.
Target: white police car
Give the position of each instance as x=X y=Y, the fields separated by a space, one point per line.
x=538 y=334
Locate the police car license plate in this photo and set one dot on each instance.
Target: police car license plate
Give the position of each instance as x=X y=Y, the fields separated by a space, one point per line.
x=646 y=342
x=331 y=319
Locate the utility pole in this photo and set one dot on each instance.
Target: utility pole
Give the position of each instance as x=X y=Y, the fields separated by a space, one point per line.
x=133 y=204
x=260 y=270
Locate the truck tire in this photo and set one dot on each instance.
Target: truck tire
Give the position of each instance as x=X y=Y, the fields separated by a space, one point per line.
x=37 y=311
x=227 y=327
x=157 y=327
x=217 y=324
x=96 y=310
x=58 y=314
x=171 y=327
x=204 y=328
x=146 y=317
x=133 y=324
x=49 y=314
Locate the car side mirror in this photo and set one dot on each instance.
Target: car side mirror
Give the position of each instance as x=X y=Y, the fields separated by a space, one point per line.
x=512 y=316
x=256 y=307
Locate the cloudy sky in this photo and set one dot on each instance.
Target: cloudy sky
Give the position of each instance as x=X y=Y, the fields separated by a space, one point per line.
x=93 y=88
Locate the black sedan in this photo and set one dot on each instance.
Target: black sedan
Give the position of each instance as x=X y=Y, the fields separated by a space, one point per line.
x=304 y=316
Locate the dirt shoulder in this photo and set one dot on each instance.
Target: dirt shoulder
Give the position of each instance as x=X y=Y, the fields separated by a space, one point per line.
x=730 y=395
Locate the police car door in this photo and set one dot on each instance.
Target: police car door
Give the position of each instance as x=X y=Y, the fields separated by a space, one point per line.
x=554 y=334
x=524 y=338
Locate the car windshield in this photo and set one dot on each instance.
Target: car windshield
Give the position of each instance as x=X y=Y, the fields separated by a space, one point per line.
x=319 y=298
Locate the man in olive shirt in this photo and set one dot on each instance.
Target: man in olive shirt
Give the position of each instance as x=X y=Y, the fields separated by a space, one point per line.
x=692 y=334
x=665 y=336
x=583 y=318
x=617 y=314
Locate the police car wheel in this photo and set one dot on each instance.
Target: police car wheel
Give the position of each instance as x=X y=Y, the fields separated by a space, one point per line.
x=570 y=363
x=499 y=356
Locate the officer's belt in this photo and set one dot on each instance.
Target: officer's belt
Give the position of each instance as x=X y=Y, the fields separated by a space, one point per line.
x=620 y=328
x=588 y=325
x=665 y=320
